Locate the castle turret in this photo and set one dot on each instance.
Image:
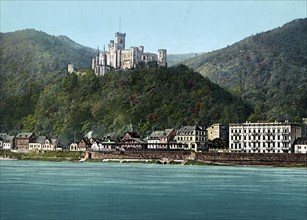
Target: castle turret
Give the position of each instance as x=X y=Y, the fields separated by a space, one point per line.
x=120 y=40
x=162 y=58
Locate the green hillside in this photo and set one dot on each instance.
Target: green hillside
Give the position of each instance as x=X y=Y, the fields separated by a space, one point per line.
x=139 y=100
x=30 y=51
x=268 y=70
x=30 y=60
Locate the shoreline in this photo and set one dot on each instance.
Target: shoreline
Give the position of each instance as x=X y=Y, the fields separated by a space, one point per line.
x=164 y=157
x=7 y=158
x=150 y=161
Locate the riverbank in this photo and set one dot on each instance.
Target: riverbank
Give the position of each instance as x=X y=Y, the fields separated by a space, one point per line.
x=204 y=158
x=57 y=156
x=165 y=157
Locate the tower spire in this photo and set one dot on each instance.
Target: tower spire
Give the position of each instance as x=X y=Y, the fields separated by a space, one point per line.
x=120 y=24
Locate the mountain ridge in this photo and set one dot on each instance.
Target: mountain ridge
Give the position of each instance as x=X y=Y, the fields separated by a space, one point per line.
x=268 y=70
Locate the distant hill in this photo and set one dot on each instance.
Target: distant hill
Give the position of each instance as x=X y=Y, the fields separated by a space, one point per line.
x=269 y=70
x=30 y=51
x=174 y=59
x=30 y=60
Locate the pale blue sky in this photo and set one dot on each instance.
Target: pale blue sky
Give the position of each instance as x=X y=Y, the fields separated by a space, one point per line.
x=178 y=26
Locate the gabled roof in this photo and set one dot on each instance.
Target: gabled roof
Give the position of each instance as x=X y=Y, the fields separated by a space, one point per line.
x=132 y=134
x=86 y=141
x=188 y=130
x=40 y=139
x=24 y=135
x=3 y=135
x=9 y=138
x=155 y=135
x=54 y=141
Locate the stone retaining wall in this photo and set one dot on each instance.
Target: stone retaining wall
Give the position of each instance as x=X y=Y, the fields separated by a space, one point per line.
x=213 y=158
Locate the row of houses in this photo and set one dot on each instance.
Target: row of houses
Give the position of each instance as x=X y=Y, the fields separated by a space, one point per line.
x=28 y=141
x=261 y=137
x=185 y=138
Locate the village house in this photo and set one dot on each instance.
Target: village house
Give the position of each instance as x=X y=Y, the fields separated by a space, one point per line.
x=103 y=145
x=193 y=136
x=132 y=140
x=160 y=139
x=73 y=146
x=37 y=143
x=22 y=141
x=83 y=145
x=2 y=137
x=8 y=143
x=300 y=146
x=263 y=137
x=50 y=145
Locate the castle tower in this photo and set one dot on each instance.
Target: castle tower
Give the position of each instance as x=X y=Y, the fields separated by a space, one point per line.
x=120 y=40
x=70 y=68
x=162 y=58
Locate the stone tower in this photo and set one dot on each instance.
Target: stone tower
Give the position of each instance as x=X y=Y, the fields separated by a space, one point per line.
x=120 y=40
x=70 y=68
x=162 y=58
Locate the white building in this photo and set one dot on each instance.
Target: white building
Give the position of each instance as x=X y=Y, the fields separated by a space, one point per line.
x=8 y=143
x=300 y=146
x=266 y=137
x=118 y=57
x=2 y=137
x=193 y=136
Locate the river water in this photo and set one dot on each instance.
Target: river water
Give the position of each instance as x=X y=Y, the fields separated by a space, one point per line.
x=60 y=190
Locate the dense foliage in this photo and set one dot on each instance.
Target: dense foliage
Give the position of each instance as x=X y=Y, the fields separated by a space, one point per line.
x=140 y=100
x=268 y=70
x=30 y=60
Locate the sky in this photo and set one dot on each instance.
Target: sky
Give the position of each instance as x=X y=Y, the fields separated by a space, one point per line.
x=178 y=26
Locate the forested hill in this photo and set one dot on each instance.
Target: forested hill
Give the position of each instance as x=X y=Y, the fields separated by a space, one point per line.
x=269 y=70
x=31 y=60
x=141 y=100
x=30 y=51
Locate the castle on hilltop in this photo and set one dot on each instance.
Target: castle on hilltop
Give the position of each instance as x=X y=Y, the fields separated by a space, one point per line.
x=118 y=57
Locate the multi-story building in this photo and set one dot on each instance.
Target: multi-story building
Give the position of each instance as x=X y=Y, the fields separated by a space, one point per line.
x=193 y=136
x=217 y=131
x=160 y=139
x=22 y=141
x=118 y=57
x=266 y=137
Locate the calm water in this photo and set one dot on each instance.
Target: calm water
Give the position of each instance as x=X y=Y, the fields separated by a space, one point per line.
x=49 y=190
